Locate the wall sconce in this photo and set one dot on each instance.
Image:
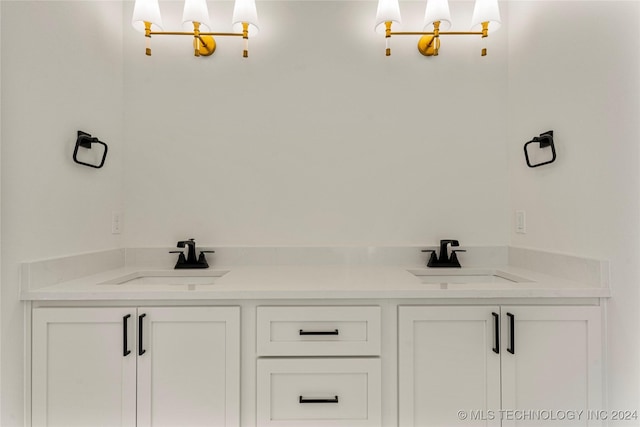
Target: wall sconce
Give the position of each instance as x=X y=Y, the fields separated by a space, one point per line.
x=147 y=19
x=437 y=19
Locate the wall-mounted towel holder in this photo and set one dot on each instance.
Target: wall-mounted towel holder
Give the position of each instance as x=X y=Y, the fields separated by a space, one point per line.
x=85 y=140
x=545 y=140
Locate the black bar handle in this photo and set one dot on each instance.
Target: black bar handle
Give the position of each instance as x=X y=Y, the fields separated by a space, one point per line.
x=496 y=320
x=141 y=350
x=334 y=332
x=125 y=339
x=512 y=332
x=304 y=400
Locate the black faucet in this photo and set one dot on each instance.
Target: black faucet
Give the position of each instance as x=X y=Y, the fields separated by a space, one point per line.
x=444 y=260
x=190 y=261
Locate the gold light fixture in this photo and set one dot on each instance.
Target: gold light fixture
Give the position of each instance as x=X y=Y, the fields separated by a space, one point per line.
x=147 y=19
x=437 y=19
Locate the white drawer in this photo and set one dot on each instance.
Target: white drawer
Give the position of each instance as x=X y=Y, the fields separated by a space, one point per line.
x=318 y=331
x=319 y=392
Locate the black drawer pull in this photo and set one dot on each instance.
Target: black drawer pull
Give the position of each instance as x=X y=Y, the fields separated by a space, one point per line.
x=512 y=337
x=306 y=400
x=125 y=350
x=334 y=332
x=141 y=350
x=496 y=319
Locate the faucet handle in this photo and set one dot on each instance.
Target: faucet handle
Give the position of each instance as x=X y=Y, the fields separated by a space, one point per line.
x=181 y=258
x=428 y=250
x=207 y=252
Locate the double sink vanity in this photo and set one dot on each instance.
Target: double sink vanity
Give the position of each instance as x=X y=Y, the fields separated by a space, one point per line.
x=313 y=337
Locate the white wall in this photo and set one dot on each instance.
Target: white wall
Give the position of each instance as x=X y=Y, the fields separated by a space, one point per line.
x=317 y=138
x=65 y=76
x=584 y=86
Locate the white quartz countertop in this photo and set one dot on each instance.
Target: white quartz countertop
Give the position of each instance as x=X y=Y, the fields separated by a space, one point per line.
x=312 y=282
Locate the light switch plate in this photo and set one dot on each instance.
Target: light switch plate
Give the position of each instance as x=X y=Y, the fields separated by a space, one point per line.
x=116 y=222
x=521 y=222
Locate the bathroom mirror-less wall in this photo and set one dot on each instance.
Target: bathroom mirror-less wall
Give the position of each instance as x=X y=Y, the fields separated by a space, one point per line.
x=319 y=139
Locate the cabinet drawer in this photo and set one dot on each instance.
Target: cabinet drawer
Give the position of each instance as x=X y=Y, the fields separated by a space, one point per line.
x=319 y=392
x=318 y=331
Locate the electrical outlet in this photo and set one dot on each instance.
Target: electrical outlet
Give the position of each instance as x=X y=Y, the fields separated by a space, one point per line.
x=116 y=222
x=521 y=222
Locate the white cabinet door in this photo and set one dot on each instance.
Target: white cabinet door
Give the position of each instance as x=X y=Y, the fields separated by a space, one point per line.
x=80 y=373
x=189 y=366
x=447 y=364
x=552 y=361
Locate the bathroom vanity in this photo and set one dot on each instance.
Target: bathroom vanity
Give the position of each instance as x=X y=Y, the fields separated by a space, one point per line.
x=311 y=345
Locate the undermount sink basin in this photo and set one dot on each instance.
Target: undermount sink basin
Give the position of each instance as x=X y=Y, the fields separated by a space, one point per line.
x=463 y=276
x=169 y=277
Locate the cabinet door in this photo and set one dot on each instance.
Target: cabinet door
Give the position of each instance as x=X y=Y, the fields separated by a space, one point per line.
x=189 y=366
x=552 y=362
x=80 y=373
x=447 y=364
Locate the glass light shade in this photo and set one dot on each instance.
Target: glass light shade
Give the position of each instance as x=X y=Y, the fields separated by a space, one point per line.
x=245 y=11
x=437 y=10
x=486 y=11
x=195 y=11
x=149 y=11
x=388 y=10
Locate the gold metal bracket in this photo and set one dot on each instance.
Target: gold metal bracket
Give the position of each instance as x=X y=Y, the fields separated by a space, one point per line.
x=429 y=43
x=147 y=35
x=245 y=41
x=485 y=34
x=387 y=35
x=203 y=43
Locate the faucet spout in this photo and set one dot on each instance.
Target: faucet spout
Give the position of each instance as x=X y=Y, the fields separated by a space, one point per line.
x=445 y=249
x=191 y=250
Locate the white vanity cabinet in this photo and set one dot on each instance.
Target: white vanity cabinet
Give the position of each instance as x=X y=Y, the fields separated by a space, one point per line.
x=485 y=360
x=145 y=366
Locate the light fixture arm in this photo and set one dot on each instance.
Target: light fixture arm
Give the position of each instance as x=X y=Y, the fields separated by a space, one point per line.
x=203 y=42
x=429 y=43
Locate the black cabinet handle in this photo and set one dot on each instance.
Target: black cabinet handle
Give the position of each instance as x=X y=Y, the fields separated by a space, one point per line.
x=125 y=339
x=512 y=332
x=141 y=350
x=334 y=332
x=304 y=400
x=496 y=321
